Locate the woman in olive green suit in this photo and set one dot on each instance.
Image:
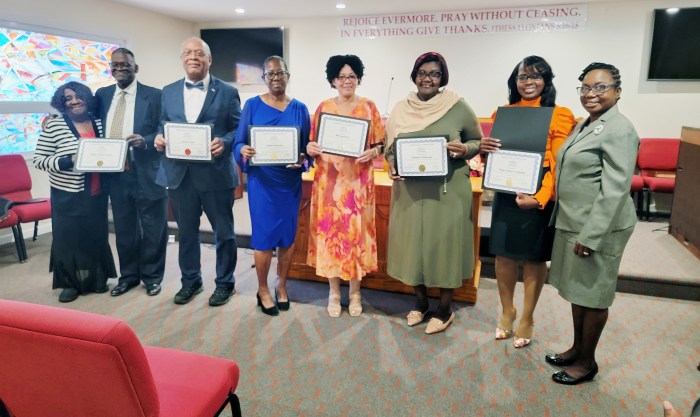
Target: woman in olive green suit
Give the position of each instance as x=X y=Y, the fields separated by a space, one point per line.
x=595 y=216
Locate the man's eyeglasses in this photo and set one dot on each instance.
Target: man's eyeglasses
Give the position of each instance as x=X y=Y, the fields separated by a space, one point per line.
x=343 y=78
x=434 y=75
x=120 y=65
x=596 y=89
x=197 y=53
x=524 y=77
x=273 y=75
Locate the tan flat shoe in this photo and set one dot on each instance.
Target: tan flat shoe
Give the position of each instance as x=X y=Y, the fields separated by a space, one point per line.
x=415 y=317
x=435 y=325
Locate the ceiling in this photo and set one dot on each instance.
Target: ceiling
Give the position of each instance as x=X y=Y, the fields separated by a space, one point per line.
x=207 y=11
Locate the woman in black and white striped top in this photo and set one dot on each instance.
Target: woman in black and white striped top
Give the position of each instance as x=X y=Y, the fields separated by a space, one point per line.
x=81 y=258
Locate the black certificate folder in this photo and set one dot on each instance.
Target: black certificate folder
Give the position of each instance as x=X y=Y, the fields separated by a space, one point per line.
x=523 y=128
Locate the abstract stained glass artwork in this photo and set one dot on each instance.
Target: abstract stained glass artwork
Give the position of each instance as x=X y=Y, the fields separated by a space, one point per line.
x=19 y=131
x=32 y=66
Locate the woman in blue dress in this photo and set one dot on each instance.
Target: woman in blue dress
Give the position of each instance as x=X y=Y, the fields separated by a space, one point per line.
x=274 y=191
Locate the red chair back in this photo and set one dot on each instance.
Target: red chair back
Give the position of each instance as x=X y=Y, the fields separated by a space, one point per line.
x=658 y=154
x=78 y=364
x=15 y=181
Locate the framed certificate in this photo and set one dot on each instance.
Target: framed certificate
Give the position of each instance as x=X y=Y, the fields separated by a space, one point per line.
x=421 y=157
x=101 y=155
x=513 y=171
x=342 y=135
x=274 y=145
x=188 y=141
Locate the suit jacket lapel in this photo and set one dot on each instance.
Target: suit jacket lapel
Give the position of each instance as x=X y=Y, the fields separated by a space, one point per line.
x=109 y=96
x=179 y=100
x=211 y=94
x=140 y=107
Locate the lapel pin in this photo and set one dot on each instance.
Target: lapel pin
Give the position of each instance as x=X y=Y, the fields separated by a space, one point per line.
x=598 y=129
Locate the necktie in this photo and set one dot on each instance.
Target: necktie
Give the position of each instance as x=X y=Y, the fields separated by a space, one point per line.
x=198 y=84
x=115 y=130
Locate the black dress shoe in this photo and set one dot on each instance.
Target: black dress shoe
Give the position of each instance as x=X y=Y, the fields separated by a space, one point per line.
x=282 y=305
x=562 y=377
x=122 y=288
x=152 y=289
x=68 y=295
x=186 y=294
x=272 y=311
x=557 y=360
x=221 y=296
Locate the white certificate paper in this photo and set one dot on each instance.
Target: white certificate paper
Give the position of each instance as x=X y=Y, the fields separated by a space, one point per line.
x=188 y=141
x=513 y=171
x=342 y=135
x=274 y=145
x=101 y=155
x=421 y=157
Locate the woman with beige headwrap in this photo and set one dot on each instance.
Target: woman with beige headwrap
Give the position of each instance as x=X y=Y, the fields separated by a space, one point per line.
x=430 y=227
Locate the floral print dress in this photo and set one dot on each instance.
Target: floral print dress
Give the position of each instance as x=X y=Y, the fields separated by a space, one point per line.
x=343 y=238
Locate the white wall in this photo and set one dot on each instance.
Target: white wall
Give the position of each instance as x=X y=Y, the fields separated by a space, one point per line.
x=155 y=40
x=617 y=33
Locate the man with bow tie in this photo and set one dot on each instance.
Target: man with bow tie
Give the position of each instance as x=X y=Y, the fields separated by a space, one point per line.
x=194 y=187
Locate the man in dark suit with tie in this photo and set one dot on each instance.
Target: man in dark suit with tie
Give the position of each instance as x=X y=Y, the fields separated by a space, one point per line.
x=197 y=186
x=131 y=110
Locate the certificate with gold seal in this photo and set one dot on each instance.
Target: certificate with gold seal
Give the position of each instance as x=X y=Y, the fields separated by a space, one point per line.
x=421 y=157
x=342 y=135
x=188 y=141
x=101 y=155
x=274 y=145
x=513 y=171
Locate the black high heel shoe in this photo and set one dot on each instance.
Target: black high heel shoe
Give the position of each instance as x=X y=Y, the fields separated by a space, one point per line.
x=282 y=305
x=272 y=311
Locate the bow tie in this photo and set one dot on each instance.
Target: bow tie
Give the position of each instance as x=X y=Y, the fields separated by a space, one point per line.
x=198 y=84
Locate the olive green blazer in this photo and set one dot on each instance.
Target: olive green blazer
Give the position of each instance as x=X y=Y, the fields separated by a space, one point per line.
x=594 y=172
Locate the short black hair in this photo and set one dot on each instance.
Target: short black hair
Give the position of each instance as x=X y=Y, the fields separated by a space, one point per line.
x=431 y=57
x=124 y=51
x=536 y=64
x=83 y=92
x=614 y=72
x=336 y=63
x=277 y=58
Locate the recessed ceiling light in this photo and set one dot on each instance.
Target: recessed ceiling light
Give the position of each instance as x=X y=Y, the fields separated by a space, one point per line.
x=340 y=6
x=239 y=11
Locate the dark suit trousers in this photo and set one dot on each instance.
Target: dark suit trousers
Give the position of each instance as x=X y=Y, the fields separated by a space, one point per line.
x=141 y=227
x=188 y=203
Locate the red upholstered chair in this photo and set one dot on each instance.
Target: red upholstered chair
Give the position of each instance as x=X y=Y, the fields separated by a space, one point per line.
x=486 y=125
x=16 y=185
x=68 y=363
x=658 y=160
x=13 y=221
x=637 y=189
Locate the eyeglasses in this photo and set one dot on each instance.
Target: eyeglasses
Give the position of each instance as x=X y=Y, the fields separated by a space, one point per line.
x=434 y=75
x=273 y=75
x=120 y=65
x=524 y=77
x=196 y=53
x=596 y=89
x=343 y=78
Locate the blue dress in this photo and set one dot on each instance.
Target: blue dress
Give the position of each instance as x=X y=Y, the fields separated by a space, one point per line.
x=274 y=192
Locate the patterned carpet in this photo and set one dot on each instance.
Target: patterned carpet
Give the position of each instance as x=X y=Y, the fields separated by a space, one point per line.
x=303 y=363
